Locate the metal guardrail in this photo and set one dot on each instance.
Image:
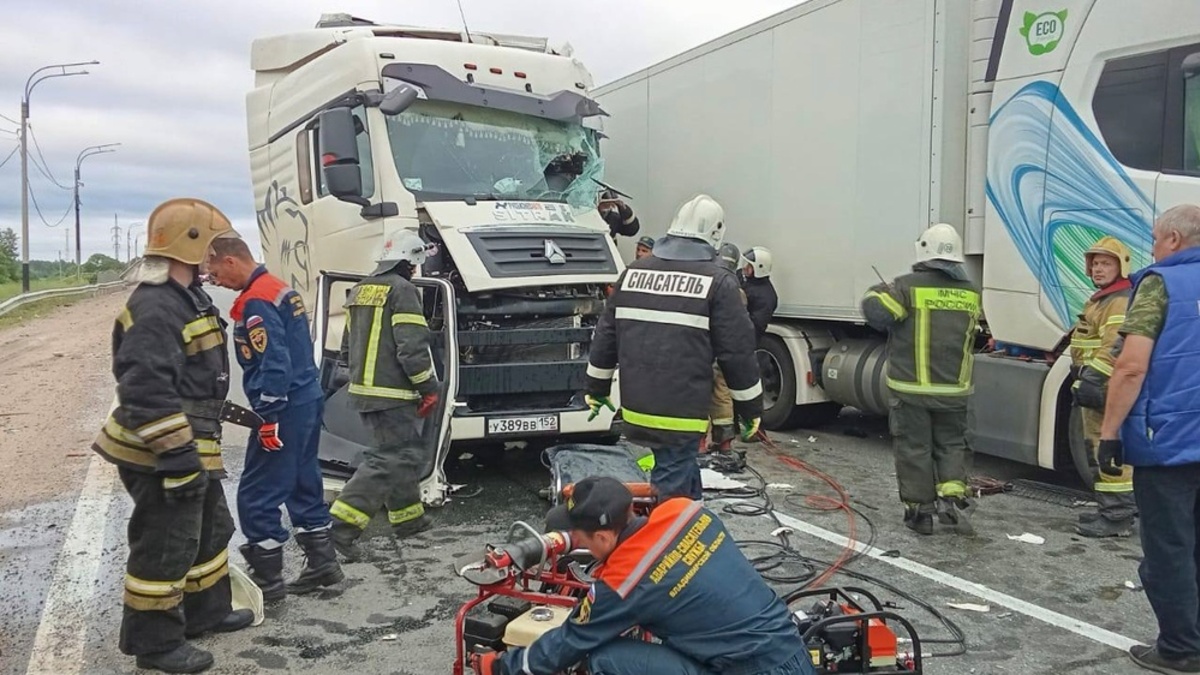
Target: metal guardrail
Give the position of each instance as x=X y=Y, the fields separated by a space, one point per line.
x=26 y=298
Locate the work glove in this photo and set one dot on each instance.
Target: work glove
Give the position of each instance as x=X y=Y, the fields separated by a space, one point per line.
x=750 y=427
x=596 y=403
x=487 y=663
x=185 y=488
x=428 y=404
x=1090 y=390
x=268 y=437
x=1111 y=456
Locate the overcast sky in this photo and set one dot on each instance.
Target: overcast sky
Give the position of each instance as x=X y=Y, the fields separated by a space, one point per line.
x=173 y=76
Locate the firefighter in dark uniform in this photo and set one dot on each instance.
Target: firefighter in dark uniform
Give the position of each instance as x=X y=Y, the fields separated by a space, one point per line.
x=670 y=316
x=677 y=574
x=761 y=298
x=720 y=414
x=172 y=372
x=393 y=386
x=931 y=316
x=273 y=346
x=618 y=215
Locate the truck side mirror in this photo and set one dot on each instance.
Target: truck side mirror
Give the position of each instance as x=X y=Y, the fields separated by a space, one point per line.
x=338 y=143
x=398 y=100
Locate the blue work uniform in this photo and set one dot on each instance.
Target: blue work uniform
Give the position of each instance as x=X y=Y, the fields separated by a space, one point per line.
x=274 y=348
x=680 y=576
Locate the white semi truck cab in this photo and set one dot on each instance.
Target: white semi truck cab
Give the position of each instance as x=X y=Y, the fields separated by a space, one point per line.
x=485 y=145
x=844 y=128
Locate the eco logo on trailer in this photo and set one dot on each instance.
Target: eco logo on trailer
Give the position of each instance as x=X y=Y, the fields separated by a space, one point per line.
x=1043 y=32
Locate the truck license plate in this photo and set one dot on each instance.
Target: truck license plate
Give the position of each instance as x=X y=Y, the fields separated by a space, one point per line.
x=536 y=424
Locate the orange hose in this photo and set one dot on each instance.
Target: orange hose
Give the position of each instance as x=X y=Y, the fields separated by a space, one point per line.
x=821 y=503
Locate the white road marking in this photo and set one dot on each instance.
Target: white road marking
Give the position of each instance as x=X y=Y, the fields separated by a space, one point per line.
x=58 y=647
x=1081 y=628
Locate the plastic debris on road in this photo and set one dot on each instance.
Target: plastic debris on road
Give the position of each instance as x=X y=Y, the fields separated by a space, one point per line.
x=1028 y=538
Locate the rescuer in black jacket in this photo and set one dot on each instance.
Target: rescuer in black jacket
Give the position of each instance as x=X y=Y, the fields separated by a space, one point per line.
x=669 y=317
x=620 y=217
x=172 y=371
x=761 y=298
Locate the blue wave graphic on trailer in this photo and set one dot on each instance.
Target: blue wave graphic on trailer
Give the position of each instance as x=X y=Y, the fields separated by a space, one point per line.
x=1058 y=189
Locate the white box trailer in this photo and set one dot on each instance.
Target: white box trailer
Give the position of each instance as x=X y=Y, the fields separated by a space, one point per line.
x=836 y=131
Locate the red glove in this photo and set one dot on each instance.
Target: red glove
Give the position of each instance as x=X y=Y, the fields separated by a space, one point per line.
x=268 y=437
x=487 y=663
x=428 y=403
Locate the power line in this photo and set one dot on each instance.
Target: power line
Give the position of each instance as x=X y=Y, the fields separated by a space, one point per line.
x=45 y=171
x=14 y=151
x=11 y=120
x=38 y=208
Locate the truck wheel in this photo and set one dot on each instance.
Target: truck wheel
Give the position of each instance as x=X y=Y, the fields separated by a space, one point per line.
x=778 y=373
x=1080 y=456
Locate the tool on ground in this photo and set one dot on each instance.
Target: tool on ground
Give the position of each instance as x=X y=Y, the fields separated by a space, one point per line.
x=843 y=636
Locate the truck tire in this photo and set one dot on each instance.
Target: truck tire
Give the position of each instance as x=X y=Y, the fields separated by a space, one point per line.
x=778 y=373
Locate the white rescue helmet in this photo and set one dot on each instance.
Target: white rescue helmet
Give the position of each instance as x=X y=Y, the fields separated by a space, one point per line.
x=702 y=218
x=401 y=246
x=940 y=242
x=759 y=259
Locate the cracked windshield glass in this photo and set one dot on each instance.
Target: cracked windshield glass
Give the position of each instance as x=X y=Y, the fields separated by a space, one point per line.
x=447 y=150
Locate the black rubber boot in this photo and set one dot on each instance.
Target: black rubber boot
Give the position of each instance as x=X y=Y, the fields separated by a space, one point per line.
x=1103 y=527
x=919 y=517
x=266 y=570
x=233 y=622
x=321 y=567
x=957 y=511
x=345 y=541
x=183 y=659
x=412 y=527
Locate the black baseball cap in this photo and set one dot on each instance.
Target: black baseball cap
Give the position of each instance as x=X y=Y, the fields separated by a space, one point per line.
x=648 y=242
x=597 y=502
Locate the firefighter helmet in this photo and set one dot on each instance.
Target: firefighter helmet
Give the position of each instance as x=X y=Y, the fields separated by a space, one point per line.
x=728 y=256
x=940 y=242
x=1110 y=246
x=401 y=246
x=183 y=228
x=759 y=259
x=702 y=218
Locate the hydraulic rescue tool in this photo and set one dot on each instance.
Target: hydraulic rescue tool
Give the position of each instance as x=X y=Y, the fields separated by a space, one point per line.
x=844 y=637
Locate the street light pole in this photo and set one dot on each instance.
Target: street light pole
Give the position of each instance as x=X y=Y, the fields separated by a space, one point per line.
x=84 y=154
x=30 y=83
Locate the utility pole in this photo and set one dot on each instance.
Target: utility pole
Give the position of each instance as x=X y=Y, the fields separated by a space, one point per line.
x=84 y=154
x=116 y=233
x=30 y=83
x=128 y=243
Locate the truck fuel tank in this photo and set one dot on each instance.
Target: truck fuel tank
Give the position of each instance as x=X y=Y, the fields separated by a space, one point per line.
x=854 y=374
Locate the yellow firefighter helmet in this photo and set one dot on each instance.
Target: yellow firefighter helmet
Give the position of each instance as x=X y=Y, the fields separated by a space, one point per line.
x=183 y=228
x=1110 y=246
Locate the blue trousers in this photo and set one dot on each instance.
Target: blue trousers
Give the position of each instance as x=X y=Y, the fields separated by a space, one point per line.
x=1168 y=498
x=291 y=477
x=676 y=473
x=625 y=656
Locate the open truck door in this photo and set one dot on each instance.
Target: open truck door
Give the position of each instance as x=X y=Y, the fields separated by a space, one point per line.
x=344 y=438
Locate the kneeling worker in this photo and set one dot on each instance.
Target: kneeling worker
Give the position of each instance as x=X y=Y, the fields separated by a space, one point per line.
x=714 y=616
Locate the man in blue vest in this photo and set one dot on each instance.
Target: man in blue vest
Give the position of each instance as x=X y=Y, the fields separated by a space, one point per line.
x=1152 y=422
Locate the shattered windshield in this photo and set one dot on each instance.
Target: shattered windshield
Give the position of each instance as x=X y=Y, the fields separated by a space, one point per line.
x=450 y=150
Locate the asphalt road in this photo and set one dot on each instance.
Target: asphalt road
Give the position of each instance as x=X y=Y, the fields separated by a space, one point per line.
x=1055 y=607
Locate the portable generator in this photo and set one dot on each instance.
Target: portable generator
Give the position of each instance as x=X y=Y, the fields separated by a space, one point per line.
x=845 y=637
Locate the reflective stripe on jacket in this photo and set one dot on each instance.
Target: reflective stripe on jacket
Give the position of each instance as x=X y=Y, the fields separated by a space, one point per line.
x=172 y=373
x=931 y=320
x=387 y=344
x=665 y=324
x=1097 y=331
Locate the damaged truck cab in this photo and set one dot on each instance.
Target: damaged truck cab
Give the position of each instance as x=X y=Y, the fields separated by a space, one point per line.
x=487 y=146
